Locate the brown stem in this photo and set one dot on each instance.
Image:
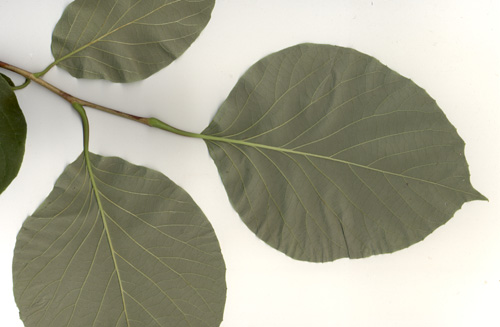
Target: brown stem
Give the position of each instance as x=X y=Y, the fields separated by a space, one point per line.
x=70 y=98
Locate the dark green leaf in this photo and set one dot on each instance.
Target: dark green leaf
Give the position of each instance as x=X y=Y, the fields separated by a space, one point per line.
x=8 y=80
x=12 y=134
x=126 y=41
x=135 y=250
x=326 y=153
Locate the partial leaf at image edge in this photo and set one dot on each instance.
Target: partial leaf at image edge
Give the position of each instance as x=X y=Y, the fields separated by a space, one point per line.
x=12 y=133
x=8 y=80
x=326 y=153
x=123 y=41
x=133 y=250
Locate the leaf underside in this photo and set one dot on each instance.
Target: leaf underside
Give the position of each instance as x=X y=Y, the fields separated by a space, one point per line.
x=326 y=153
x=140 y=253
x=126 y=41
x=12 y=133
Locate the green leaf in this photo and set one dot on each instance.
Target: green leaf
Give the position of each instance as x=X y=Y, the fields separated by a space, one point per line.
x=326 y=153
x=8 y=80
x=121 y=246
x=12 y=133
x=126 y=41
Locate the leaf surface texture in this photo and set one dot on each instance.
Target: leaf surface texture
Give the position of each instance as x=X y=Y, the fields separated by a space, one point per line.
x=326 y=153
x=133 y=250
x=12 y=133
x=126 y=41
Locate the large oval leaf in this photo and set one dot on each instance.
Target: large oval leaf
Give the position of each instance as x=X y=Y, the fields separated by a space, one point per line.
x=134 y=250
x=326 y=153
x=12 y=133
x=126 y=41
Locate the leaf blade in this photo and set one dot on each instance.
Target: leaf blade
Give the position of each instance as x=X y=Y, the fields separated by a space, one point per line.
x=124 y=42
x=145 y=256
x=334 y=135
x=12 y=134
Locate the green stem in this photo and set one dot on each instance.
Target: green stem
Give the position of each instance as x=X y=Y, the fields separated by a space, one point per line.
x=85 y=122
x=46 y=70
x=154 y=122
x=22 y=86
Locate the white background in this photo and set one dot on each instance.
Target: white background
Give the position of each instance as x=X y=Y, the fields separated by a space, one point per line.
x=450 y=48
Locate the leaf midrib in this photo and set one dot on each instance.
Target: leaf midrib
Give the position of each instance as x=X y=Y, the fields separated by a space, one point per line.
x=72 y=53
x=96 y=192
x=211 y=138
